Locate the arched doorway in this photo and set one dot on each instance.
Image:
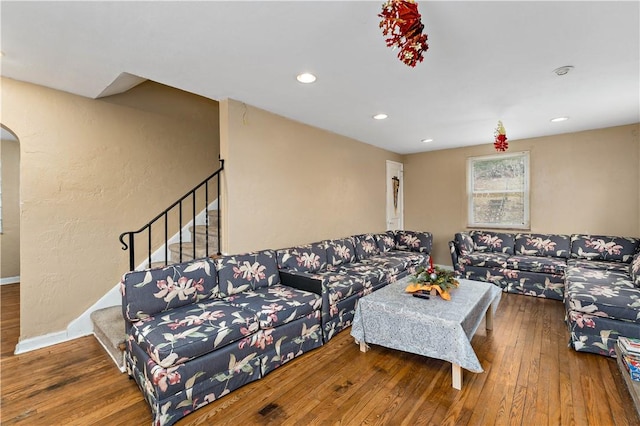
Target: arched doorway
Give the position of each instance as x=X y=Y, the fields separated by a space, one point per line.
x=9 y=207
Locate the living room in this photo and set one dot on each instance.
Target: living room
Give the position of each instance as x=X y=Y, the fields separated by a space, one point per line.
x=85 y=169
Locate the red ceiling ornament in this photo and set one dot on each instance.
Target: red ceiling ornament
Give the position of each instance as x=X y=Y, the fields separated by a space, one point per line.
x=500 y=134
x=402 y=25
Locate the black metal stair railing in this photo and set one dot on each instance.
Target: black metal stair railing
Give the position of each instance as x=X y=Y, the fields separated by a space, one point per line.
x=130 y=236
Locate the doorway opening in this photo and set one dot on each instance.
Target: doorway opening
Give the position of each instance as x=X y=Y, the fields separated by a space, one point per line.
x=9 y=207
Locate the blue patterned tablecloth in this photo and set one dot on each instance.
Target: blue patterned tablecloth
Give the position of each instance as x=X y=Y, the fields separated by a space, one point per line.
x=432 y=327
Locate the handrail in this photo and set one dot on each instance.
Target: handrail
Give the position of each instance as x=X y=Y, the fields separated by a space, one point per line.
x=178 y=203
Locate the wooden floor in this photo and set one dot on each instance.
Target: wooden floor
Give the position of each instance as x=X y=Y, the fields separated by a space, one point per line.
x=530 y=378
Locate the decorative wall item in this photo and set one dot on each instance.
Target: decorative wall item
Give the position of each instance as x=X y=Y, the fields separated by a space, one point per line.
x=500 y=134
x=402 y=25
x=396 y=187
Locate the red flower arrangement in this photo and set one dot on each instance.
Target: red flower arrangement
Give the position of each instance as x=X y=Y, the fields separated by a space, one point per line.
x=401 y=23
x=500 y=134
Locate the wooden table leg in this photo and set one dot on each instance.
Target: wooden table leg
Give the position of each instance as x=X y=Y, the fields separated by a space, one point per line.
x=489 y=318
x=363 y=347
x=456 y=376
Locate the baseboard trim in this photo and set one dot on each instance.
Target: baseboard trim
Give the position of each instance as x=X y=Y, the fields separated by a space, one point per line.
x=10 y=280
x=79 y=327
x=43 y=341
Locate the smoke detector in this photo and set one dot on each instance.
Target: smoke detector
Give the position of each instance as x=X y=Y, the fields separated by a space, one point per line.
x=563 y=70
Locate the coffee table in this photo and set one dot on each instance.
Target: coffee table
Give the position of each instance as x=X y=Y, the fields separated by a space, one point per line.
x=431 y=327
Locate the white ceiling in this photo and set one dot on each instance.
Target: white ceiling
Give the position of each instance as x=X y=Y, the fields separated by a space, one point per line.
x=487 y=61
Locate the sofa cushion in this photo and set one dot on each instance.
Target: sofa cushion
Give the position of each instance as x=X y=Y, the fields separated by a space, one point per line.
x=341 y=290
x=388 y=264
x=249 y=271
x=534 y=283
x=464 y=243
x=617 y=299
x=341 y=251
x=497 y=276
x=188 y=332
x=543 y=245
x=594 y=264
x=367 y=269
x=307 y=258
x=386 y=242
x=402 y=259
x=396 y=264
x=602 y=247
x=161 y=383
x=597 y=276
x=277 y=304
x=634 y=270
x=366 y=246
x=548 y=265
x=487 y=260
x=494 y=242
x=414 y=241
x=340 y=285
x=145 y=293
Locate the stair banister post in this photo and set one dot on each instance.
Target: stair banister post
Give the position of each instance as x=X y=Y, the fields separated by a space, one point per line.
x=129 y=247
x=219 y=204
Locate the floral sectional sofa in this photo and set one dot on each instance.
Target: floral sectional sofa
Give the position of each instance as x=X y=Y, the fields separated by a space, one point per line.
x=200 y=329
x=343 y=270
x=597 y=277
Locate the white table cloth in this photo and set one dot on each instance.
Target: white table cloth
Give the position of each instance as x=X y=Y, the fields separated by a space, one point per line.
x=432 y=327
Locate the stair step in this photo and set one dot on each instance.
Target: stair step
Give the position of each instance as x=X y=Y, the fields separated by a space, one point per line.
x=187 y=251
x=108 y=327
x=200 y=234
x=213 y=218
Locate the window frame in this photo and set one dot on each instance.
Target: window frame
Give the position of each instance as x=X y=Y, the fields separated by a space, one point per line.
x=471 y=162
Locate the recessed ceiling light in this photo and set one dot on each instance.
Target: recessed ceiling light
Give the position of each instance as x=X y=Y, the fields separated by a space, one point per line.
x=563 y=70
x=559 y=119
x=306 y=78
x=380 y=116
x=426 y=140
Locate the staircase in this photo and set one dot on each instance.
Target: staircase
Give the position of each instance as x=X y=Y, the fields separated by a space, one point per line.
x=108 y=323
x=200 y=234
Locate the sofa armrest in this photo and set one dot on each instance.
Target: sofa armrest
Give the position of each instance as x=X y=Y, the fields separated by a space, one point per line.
x=454 y=255
x=301 y=281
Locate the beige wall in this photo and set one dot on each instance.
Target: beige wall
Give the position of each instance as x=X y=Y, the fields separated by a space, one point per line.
x=287 y=183
x=586 y=182
x=10 y=238
x=91 y=169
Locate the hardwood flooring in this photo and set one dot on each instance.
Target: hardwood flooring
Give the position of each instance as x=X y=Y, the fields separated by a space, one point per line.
x=531 y=378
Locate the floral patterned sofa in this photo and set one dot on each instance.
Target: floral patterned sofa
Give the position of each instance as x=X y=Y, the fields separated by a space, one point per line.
x=602 y=292
x=531 y=264
x=200 y=329
x=343 y=270
x=597 y=277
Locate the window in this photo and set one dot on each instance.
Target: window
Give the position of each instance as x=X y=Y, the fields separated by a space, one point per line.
x=498 y=191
